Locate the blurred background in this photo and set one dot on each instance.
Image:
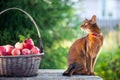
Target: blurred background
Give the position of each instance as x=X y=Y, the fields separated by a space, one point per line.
x=59 y=23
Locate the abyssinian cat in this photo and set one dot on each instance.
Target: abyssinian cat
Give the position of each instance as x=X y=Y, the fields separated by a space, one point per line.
x=84 y=52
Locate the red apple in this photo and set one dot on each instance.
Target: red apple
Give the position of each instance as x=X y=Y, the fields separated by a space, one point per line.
x=28 y=43
x=15 y=51
x=4 y=54
x=9 y=49
x=2 y=51
x=26 y=51
x=35 y=50
x=19 y=45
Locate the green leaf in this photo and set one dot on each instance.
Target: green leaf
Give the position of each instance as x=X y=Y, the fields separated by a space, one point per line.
x=21 y=38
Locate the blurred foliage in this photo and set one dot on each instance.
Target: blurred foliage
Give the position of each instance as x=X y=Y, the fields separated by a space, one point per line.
x=118 y=27
x=108 y=65
x=55 y=19
x=52 y=17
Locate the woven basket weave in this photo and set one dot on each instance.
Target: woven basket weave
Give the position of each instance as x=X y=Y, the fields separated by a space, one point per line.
x=22 y=65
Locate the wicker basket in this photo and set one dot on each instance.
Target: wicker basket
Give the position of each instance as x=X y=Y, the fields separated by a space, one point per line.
x=22 y=65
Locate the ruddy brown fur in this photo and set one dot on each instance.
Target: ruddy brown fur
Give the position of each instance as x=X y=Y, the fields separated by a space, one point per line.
x=83 y=53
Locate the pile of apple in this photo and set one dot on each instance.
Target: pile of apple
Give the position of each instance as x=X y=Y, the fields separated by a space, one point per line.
x=27 y=47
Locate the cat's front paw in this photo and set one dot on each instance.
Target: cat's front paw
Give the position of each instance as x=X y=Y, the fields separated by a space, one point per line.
x=92 y=73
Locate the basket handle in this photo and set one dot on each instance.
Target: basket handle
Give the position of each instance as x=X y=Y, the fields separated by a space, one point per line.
x=30 y=17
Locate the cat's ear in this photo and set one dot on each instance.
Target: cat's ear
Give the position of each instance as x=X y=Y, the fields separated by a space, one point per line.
x=93 y=19
x=86 y=19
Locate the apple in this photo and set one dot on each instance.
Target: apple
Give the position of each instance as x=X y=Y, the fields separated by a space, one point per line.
x=28 y=43
x=19 y=45
x=2 y=51
x=15 y=51
x=26 y=51
x=9 y=49
x=4 y=54
x=35 y=50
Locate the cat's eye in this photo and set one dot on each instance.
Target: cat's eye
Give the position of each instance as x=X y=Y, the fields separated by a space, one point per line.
x=86 y=24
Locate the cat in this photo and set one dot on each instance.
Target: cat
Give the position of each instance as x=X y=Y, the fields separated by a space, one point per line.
x=83 y=53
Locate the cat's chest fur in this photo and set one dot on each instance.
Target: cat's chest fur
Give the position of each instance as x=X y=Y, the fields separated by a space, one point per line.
x=94 y=43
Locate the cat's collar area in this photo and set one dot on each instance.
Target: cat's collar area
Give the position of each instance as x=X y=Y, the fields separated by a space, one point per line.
x=96 y=34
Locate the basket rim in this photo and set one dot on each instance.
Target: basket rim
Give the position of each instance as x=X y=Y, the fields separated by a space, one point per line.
x=16 y=56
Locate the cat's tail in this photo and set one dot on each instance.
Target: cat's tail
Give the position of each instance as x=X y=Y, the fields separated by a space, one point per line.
x=70 y=70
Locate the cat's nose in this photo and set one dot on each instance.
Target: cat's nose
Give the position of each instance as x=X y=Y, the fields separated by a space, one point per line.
x=81 y=28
